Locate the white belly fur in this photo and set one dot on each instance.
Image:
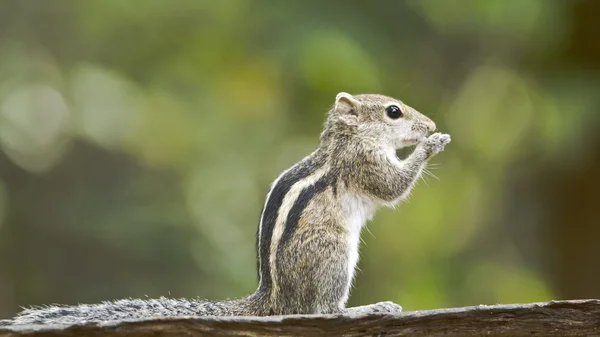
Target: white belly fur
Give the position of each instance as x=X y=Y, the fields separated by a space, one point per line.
x=358 y=211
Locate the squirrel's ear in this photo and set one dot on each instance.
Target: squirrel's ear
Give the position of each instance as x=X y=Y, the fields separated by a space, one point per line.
x=345 y=102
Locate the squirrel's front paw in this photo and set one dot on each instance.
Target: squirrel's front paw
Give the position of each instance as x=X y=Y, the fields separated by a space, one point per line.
x=435 y=143
x=386 y=307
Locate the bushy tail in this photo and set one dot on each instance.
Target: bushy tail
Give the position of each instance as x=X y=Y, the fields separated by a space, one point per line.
x=131 y=309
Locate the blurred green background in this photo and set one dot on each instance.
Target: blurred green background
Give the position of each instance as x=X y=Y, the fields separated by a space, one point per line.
x=139 y=139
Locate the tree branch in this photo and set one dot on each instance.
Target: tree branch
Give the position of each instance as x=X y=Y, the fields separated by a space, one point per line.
x=556 y=318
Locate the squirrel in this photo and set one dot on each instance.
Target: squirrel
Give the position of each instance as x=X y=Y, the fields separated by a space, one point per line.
x=309 y=228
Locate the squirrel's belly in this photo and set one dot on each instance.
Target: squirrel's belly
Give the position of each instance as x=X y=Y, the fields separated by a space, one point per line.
x=358 y=211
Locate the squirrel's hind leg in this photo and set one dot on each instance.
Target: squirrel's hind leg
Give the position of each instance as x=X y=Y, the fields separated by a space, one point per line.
x=380 y=307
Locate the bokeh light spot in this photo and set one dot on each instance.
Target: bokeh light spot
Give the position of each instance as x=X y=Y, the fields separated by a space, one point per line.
x=34 y=126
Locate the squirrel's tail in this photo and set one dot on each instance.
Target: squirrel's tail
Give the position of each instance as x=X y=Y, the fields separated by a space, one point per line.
x=130 y=309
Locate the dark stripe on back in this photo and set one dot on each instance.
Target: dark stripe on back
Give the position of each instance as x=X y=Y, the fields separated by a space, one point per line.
x=307 y=194
x=269 y=216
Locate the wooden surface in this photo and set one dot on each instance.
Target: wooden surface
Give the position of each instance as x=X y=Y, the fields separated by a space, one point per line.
x=556 y=318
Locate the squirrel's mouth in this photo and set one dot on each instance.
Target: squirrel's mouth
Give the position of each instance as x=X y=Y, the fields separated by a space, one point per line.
x=409 y=141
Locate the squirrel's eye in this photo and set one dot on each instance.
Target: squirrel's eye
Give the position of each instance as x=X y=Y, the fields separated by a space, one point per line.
x=393 y=112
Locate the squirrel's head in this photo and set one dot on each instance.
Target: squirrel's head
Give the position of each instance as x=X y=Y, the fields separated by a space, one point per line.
x=378 y=118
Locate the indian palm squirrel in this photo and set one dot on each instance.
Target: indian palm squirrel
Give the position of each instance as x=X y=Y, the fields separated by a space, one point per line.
x=309 y=229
